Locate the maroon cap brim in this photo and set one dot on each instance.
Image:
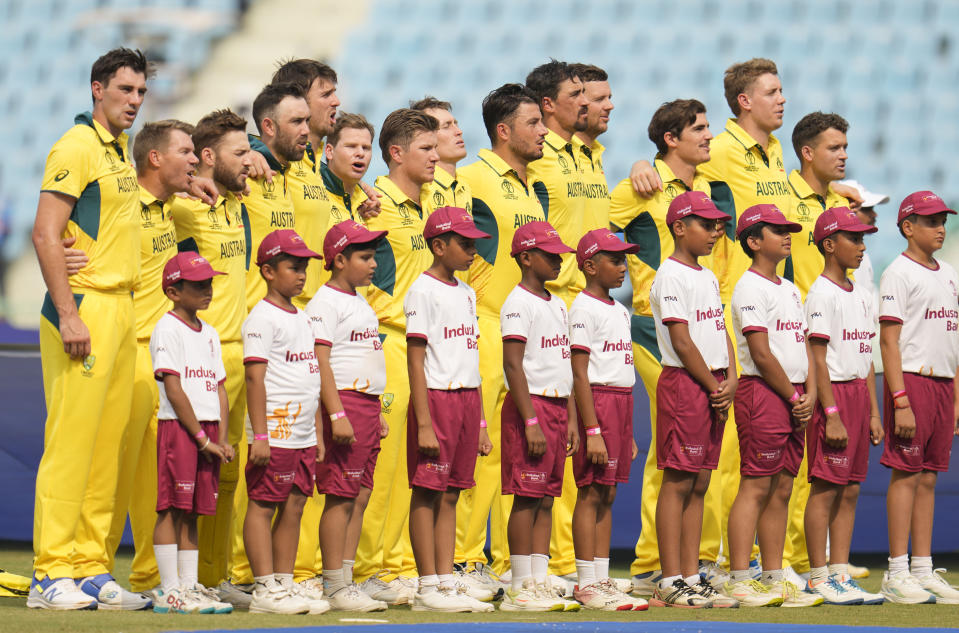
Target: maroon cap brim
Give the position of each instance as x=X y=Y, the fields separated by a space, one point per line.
x=711 y=214
x=556 y=247
x=792 y=227
x=301 y=252
x=472 y=233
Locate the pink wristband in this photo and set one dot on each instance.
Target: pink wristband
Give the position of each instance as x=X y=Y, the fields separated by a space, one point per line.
x=199 y=435
x=593 y=430
x=483 y=424
x=899 y=394
x=795 y=397
x=532 y=421
x=261 y=436
x=831 y=410
x=337 y=416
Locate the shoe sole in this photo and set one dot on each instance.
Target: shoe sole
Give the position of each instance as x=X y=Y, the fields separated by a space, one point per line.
x=506 y=606
x=43 y=604
x=725 y=606
x=662 y=603
x=419 y=607
x=274 y=611
x=776 y=602
x=792 y=605
x=103 y=606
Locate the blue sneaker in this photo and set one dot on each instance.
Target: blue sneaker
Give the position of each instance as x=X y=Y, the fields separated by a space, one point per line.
x=755 y=569
x=111 y=596
x=853 y=586
x=58 y=594
x=834 y=592
x=647 y=584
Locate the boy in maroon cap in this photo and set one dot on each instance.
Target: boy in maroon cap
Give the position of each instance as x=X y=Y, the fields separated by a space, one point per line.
x=192 y=419
x=539 y=427
x=693 y=393
x=919 y=340
x=842 y=327
x=446 y=427
x=282 y=395
x=352 y=378
x=603 y=378
x=773 y=403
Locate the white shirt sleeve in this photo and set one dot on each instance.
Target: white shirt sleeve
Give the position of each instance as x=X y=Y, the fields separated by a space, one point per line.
x=893 y=293
x=257 y=337
x=167 y=350
x=322 y=321
x=580 y=328
x=417 y=309
x=673 y=300
x=820 y=315
x=515 y=321
x=220 y=368
x=752 y=310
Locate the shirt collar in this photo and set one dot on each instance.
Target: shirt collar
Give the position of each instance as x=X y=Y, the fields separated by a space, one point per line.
x=257 y=145
x=800 y=187
x=443 y=178
x=556 y=141
x=119 y=142
x=744 y=137
x=331 y=181
x=391 y=191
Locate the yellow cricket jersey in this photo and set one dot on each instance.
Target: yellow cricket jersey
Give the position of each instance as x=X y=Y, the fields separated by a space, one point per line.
x=157 y=246
x=91 y=166
x=343 y=203
x=269 y=207
x=741 y=174
x=501 y=204
x=594 y=177
x=401 y=256
x=558 y=180
x=806 y=263
x=643 y=222
x=221 y=234
x=446 y=190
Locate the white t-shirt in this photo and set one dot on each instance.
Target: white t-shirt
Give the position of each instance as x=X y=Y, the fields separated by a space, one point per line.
x=348 y=325
x=774 y=307
x=683 y=294
x=193 y=355
x=926 y=302
x=602 y=329
x=543 y=325
x=444 y=315
x=283 y=339
x=845 y=319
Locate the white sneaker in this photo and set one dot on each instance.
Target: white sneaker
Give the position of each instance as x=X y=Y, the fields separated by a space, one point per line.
x=441 y=599
x=475 y=587
x=598 y=596
x=711 y=572
x=905 y=589
x=937 y=586
x=717 y=599
x=646 y=584
x=210 y=597
x=476 y=605
x=680 y=595
x=405 y=588
x=752 y=593
x=314 y=585
x=483 y=575
x=60 y=594
x=310 y=594
x=111 y=596
x=790 y=574
x=835 y=592
x=375 y=588
x=557 y=591
x=528 y=598
x=181 y=600
x=857 y=571
x=851 y=585
x=274 y=598
x=563 y=585
x=352 y=598
x=623 y=585
x=238 y=595
x=793 y=596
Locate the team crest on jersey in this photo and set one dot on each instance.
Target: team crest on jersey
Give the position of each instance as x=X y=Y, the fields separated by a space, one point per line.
x=563 y=164
x=670 y=192
x=405 y=214
x=779 y=164
x=386 y=401
x=750 y=161
x=88 y=362
x=146 y=217
x=438 y=198
x=268 y=190
x=802 y=213
x=214 y=220
x=111 y=160
x=509 y=190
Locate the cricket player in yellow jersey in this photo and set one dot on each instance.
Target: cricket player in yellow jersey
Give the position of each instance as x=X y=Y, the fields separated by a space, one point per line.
x=680 y=131
x=87 y=340
x=503 y=201
x=562 y=100
x=446 y=190
x=349 y=150
x=165 y=163
x=408 y=144
x=599 y=98
x=221 y=233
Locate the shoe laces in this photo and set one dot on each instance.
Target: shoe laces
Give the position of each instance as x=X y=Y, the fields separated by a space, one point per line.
x=486 y=573
x=705 y=589
x=936 y=574
x=376 y=582
x=755 y=585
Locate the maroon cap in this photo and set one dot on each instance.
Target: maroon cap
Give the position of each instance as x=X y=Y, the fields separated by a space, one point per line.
x=693 y=203
x=283 y=241
x=922 y=203
x=839 y=219
x=452 y=220
x=341 y=235
x=768 y=213
x=601 y=240
x=188 y=265
x=539 y=235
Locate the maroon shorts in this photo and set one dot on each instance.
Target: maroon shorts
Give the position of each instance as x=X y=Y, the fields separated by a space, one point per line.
x=768 y=440
x=534 y=476
x=288 y=468
x=456 y=417
x=185 y=479
x=841 y=465
x=614 y=410
x=932 y=401
x=689 y=437
x=348 y=467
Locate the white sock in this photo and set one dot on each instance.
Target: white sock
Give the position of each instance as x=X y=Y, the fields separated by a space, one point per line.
x=693 y=580
x=602 y=567
x=921 y=566
x=333 y=580
x=839 y=569
x=446 y=580
x=772 y=575
x=285 y=580
x=740 y=575
x=186 y=566
x=899 y=565
x=348 y=571
x=428 y=583
x=540 y=567
x=264 y=580
x=818 y=575
x=166 y=556
x=522 y=567
x=585 y=572
x=667 y=581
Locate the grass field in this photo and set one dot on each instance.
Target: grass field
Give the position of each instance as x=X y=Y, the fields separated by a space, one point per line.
x=15 y=617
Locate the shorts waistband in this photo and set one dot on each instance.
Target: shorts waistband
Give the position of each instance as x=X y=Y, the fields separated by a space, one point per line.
x=853 y=381
x=361 y=394
x=936 y=378
x=460 y=390
x=552 y=399
x=611 y=389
